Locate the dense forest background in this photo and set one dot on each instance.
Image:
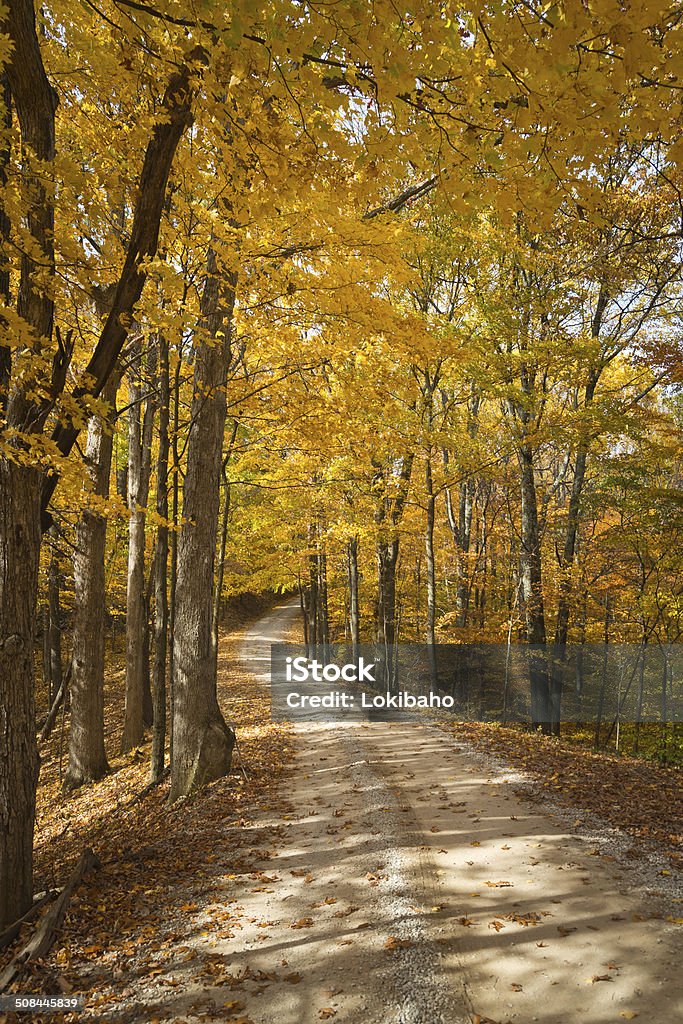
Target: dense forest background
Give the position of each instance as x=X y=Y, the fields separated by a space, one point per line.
x=379 y=309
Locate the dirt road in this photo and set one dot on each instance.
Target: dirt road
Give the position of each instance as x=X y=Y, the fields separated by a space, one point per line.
x=414 y=886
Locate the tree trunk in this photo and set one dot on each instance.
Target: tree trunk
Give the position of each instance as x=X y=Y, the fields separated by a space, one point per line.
x=461 y=525
x=19 y=556
x=133 y=728
x=203 y=743
x=161 y=568
x=461 y=531
x=138 y=700
x=388 y=516
x=573 y=520
x=20 y=484
x=312 y=597
x=87 y=757
x=431 y=572
x=5 y=234
x=532 y=592
x=322 y=612
x=175 y=510
x=387 y=560
x=55 y=620
x=47 y=660
x=223 y=541
x=354 y=614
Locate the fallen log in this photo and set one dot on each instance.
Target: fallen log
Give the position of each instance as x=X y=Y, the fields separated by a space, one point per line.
x=10 y=933
x=45 y=935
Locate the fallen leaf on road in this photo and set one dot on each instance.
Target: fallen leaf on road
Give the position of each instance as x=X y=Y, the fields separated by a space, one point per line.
x=326 y=1013
x=304 y=922
x=345 y=913
x=394 y=943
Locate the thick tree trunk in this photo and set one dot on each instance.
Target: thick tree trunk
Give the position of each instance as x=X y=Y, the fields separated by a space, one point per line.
x=87 y=757
x=203 y=743
x=19 y=556
x=20 y=485
x=160 y=571
x=5 y=233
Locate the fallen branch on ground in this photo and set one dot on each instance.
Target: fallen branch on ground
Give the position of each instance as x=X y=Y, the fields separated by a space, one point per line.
x=10 y=933
x=45 y=935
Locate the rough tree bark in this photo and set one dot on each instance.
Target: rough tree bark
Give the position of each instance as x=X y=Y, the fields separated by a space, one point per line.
x=20 y=485
x=87 y=757
x=202 y=741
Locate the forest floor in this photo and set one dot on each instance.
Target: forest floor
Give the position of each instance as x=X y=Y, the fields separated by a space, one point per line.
x=371 y=874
